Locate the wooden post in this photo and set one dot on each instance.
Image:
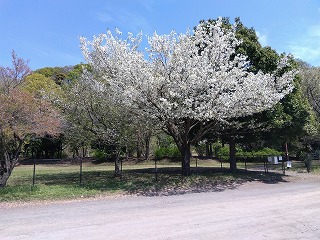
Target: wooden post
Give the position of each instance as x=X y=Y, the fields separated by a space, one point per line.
x=287 y=159
x=80 y=177
x=34 y=172
x=197 y=165
x=156 y=169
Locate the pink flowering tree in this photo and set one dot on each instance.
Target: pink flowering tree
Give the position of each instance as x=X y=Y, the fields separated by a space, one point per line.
x=21 y=116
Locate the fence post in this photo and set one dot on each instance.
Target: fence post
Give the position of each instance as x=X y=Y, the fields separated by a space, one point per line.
x=265 y=164
x=245 y=164
x=80 y=175
x=197 y=165
x=34 y=172
x=156 y=169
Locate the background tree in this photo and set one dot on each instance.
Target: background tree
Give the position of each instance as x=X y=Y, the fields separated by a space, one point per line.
x=91 y=108
x=311 y=86
x=11 y=77
x=58 y=74
x=191 y=84
x=22 y=116
x=289 y=120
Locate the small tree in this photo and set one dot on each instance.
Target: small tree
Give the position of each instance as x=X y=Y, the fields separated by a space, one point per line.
x=22 y=116
x=311 y=86
x=191 y=84
x=93 y=110
x=12 y=77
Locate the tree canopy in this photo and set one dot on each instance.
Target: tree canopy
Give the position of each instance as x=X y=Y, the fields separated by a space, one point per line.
x=22 y=115
x=192 y=81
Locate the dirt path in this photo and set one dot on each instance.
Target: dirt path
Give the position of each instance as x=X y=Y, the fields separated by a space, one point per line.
x=286 y=210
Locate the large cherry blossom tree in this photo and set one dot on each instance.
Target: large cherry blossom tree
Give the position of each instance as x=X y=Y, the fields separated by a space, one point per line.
x=191 y=82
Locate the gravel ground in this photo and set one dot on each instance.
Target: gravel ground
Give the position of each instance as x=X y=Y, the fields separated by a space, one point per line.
x=253 y=210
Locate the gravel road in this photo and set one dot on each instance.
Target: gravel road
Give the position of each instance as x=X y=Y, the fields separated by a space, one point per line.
x=255 y=210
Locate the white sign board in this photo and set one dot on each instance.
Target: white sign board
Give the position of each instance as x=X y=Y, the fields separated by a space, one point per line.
x=289 y=164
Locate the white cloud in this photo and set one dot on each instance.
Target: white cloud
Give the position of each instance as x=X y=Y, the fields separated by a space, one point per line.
x=314 y=31
x=124 y=20
x=307 y=47
x=263 y=38
x=134 y=21
x=104 y=17
x=147 y=4
x=306 y=53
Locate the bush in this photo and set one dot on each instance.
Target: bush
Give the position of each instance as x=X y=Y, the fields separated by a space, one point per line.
x=223 y=153
x=267 y=152
x=307 y=159
x=169 y=151
x=99 y=155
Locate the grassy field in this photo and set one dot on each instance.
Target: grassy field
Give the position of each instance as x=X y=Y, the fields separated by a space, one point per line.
x=62 y=181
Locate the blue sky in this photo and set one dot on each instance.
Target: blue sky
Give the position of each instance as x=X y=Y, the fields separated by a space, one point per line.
x=47 y=32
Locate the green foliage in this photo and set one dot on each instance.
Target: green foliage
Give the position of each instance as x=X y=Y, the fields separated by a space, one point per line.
x=291 y=120
x=74 y=74
x=223 y=153
x=166 y=147
x=40 y=86
x=57 y=74
x=100 y=155
x=168 y=151
x=267 y=152
x=261 y=58
x=307 y=158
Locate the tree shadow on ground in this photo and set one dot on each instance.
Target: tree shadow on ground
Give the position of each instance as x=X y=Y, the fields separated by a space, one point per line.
x=204 y=179
x=161 y=182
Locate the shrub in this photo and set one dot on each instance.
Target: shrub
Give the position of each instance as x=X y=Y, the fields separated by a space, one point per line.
x=99 y=155
x=307 y=159
x=223 y=153
x=267 y=152
x=169 y=151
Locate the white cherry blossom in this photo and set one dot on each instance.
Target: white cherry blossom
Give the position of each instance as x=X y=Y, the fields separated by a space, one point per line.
x=189 y=80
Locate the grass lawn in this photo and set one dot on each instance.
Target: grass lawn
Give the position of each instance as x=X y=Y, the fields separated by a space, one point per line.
x=62 y=181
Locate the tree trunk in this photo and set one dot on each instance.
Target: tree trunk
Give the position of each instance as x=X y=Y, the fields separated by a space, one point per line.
x=232 y=148
x=147 y=145
x=186 y=156
x=139 y=149
x=117 y=165
x=181 y=136
x=7 y=162
x=209 y=152
x=6 y=167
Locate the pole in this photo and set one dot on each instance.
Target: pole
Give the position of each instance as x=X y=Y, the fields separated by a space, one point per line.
x=287 y=159
x=34 y=172
x=80 y=171
x=197 y=165
x=156 y=169
x=245 y=164
x=81 y=161
x=265 y=163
